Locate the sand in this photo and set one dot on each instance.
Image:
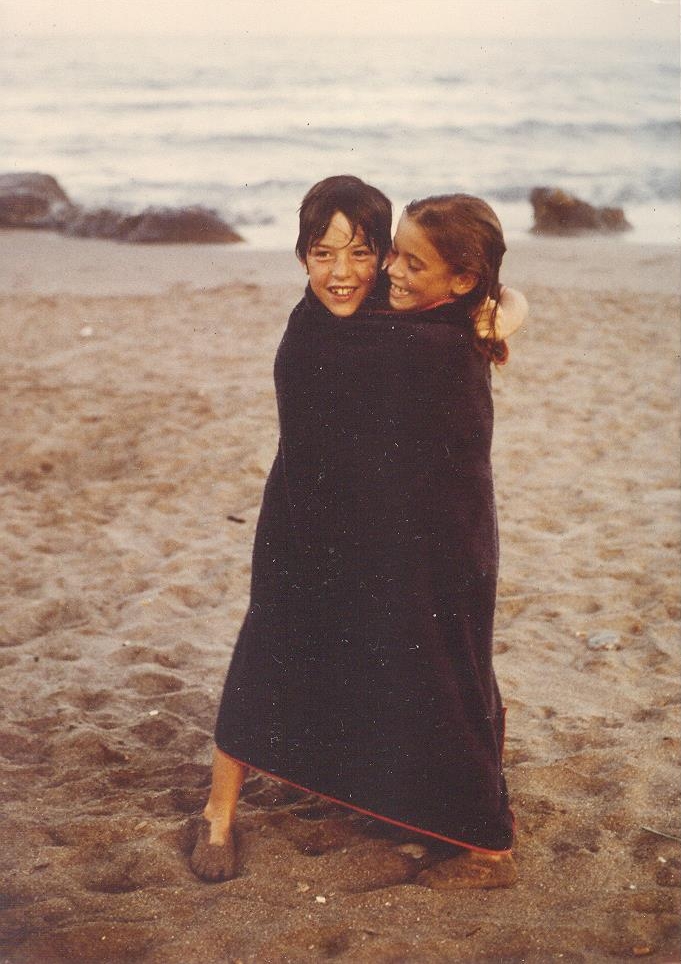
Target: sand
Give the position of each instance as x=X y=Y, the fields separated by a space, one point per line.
x=138 y=428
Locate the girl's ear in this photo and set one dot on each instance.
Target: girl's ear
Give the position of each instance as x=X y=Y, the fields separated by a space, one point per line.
x=303 y=265
x=463 y=283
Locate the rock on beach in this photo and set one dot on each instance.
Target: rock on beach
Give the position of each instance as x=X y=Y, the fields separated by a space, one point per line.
x=154 y=225
x=33 y=200
x=557 y=212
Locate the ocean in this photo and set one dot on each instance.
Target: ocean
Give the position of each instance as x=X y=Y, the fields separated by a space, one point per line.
x=246 y=124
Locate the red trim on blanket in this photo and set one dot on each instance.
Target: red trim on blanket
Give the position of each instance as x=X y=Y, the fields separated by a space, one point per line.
x=370 y=813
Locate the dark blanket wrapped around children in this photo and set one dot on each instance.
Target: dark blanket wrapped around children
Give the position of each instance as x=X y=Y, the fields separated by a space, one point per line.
x=363 y=670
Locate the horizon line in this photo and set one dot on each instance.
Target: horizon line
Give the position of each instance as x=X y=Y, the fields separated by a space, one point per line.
x=276 y=35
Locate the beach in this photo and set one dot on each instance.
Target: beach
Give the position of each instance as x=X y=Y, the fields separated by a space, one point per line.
x=139 y=425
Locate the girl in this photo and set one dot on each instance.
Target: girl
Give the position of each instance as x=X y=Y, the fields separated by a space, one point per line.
x=363 y=669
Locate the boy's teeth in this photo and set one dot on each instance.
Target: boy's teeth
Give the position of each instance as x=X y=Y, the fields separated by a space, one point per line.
x=341 y=291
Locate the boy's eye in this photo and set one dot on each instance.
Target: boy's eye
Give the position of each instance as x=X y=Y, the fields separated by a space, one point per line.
x=363 y=253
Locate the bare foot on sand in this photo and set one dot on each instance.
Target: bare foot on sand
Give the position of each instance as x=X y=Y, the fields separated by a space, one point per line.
x=213 y=861
x=472 y=870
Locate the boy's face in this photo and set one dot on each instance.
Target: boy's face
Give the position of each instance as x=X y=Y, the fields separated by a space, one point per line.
x=342 y=268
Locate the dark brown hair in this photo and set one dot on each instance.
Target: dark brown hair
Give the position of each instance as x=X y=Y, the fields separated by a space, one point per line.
x=468 y=236
x=364 y=206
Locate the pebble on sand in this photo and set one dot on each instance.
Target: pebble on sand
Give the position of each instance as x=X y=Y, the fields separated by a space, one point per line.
x=605 y=639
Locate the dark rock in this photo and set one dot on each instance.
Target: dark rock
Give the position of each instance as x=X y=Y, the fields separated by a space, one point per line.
x=190 y=225
x=557 y=212
x=196 y=224
x=31 y=200
x=99 y=223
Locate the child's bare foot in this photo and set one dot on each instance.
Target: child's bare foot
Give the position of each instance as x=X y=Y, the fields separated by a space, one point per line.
x=473 y=870
x=214 y=856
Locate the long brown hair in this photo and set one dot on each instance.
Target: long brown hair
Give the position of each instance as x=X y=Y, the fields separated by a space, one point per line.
x=468 y=236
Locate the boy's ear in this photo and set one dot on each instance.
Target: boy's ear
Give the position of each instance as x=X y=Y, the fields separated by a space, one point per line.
x=463 y=283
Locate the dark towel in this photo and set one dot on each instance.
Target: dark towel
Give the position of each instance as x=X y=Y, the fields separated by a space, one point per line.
x=363 y=670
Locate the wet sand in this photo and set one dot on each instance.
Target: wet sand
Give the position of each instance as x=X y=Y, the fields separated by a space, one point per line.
x=138 y=428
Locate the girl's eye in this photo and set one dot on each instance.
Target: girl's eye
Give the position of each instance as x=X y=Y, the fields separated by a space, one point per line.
x=320 y=255
x=414 y=267
x=363 y=253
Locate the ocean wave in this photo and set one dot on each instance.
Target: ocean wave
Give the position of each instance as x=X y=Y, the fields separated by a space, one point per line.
x=448 y=80
x=532 y=127
x=659 y=185
x=594 y=128
x=667 y=70
x=318 y=138
x=281 y=186
x=655 y=185
x=322 y=137
x=511 y=193
x=239 y=138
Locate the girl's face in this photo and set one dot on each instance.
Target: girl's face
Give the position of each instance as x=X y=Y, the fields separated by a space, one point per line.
x=342 y=267
x=419 y=277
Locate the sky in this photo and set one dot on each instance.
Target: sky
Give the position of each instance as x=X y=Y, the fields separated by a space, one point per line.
x=644 y=19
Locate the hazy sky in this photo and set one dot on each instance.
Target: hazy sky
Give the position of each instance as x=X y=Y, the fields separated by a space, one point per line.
x=569 y=18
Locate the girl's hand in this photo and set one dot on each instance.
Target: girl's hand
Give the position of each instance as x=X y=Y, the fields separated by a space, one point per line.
x=512 y=312
x=483 y=321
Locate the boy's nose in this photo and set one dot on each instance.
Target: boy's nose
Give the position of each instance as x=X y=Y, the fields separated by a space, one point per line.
x=341 y=267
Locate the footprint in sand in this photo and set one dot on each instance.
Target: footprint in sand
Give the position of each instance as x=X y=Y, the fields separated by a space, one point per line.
x=587 y=841
x=63 y=651
x=154 y=731
x=336 y=850
x=154 y=684
x=21 y=623
x=669 y=874
x=18 y=747
x=260 y=792
x=87 y=747
x=359 y=854
x=314 y=837
x=177 y=656
x=321 y=943
x=192 y=597
x=86 y=699
x=643 y=921
x=97 y=942
x=132 y=866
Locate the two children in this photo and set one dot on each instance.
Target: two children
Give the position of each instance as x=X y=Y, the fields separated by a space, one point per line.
x=363 y=669
x=345 y=238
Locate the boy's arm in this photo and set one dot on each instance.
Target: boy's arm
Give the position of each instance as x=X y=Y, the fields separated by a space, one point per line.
x=511 y=314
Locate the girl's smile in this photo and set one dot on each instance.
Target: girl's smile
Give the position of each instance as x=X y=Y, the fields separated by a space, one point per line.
x=396 y=292
x=419 y=277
